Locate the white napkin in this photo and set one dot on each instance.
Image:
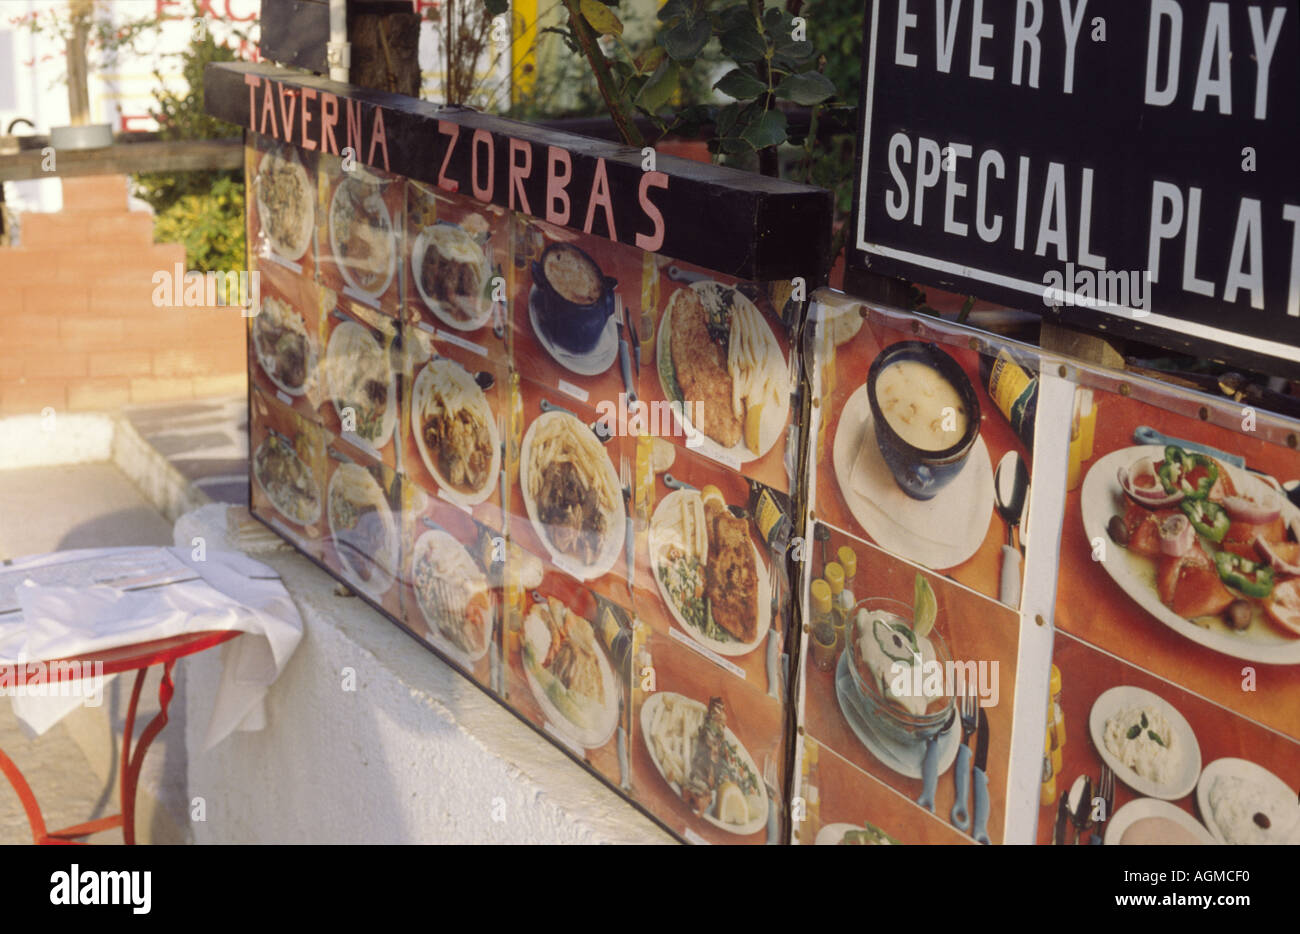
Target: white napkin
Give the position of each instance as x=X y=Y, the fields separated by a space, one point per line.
x=235 y=592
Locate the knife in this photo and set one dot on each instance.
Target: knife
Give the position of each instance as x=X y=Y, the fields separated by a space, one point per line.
x=1144 y=434
x=981 y=780
x=634 y=332
x=1062 y=821
x=625 y=359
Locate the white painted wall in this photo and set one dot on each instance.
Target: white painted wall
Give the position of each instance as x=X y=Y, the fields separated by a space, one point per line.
x=415 y=755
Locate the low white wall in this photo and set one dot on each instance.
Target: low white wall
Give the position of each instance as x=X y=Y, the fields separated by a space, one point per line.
x=416 y=754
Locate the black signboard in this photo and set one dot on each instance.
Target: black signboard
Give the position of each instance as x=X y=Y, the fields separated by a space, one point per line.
x=1124 y=166
x=654 y=203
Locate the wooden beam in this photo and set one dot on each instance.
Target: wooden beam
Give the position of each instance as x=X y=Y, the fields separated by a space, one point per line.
x=125 y=158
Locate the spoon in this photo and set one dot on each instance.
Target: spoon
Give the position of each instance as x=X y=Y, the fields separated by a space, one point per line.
x=1010 y=484
x=1080 y=803
x=930 y=765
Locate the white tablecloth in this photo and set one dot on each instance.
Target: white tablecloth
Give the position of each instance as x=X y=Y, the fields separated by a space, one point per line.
x=233 y=592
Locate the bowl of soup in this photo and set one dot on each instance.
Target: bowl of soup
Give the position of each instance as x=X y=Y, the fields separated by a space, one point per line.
x=926 y=415
x=574 y=298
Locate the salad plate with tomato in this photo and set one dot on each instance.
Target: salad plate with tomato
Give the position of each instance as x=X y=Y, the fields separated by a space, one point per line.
x=1207 y=548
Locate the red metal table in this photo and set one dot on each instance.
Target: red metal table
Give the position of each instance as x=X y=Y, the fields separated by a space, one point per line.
x=139 y=658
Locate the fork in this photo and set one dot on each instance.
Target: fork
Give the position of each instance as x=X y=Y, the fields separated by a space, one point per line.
x=770 y=780
x=960 y=814
x=1106 y=790
x=629 y=542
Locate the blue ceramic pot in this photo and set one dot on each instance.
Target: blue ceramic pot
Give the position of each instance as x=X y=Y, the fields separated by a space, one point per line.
x=574 y=327
x=920 y=473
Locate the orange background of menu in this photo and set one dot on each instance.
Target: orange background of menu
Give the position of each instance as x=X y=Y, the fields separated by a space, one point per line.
x=1086 y=673
x=1090 y=605
x=852 y=360
x=976 y=628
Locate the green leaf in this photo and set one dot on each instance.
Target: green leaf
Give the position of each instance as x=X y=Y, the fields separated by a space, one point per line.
x=687 y=40
x=743 y=42
x=767 y=130
x=496 y=7
x=728 y=116
x=740 y=84
x=601 y=18
x=649 y=60
x=793 y=54
x=673 y=10
x=806 y=89
x=661 y=86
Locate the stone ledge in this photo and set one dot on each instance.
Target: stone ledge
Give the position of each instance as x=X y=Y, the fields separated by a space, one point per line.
x=416 y=754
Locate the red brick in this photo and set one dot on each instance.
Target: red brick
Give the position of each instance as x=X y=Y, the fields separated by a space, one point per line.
x=56 y=298
x=54 y=363
x=228 y=384
x=120 y=363
x=27 y=331
x=97 y=261
x=90 y=193
x=99 y=395
x=154 y=389
x=128 y=231
x=20 y=266
x=91 y=333
x=11 y=366
x=52 y=230
x=25 y=396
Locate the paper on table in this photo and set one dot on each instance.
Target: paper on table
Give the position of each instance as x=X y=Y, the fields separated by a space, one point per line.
x=234 y=592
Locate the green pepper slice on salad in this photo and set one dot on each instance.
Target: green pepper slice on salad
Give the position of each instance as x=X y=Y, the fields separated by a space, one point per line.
x=1207 y=518
x=1191 y=474
x=1250 y=577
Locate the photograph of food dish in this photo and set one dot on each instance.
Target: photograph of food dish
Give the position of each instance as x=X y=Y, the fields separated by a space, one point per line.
x=457 y=248
x=911 y=678
x=717 y=351
x=288 y=470
x=448 y=596
x=569 y=503
x=569 y=656
x=360 y=371
x=364 y=543
x=923 y=446
x=707 y=751
x=284 y=194
x=706 y=574
x=1179 y=546
x=576 y=302
x=1167 y=765
x=454 y=426
x=845 y=806
x=284 y=338
x=360 y=236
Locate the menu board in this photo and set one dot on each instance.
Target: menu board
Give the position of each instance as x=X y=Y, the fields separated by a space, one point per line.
x=564 y=464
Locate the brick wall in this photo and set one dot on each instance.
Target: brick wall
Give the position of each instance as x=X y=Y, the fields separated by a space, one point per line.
x=78 y=327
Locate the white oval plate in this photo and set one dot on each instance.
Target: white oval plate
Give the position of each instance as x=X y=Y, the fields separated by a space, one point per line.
x=295 y=250
x=599 y=734
x=420 y=391
x=1141 y=808
x=1118 y=698
x=731 y=648
x=774 y=423
x=1249 y=771
x=615 y=532
x=335 y=366
x=648 y=710
x=418 y=249
x=1102 y=498
x=379 y=585
x=372 y=294
x=422 y=545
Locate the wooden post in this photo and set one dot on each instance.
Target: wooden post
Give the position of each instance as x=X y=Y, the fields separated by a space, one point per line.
x=385 y=48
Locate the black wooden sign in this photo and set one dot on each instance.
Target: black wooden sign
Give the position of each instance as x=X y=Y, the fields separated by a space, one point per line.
x=1125 y=166
x=735 y=222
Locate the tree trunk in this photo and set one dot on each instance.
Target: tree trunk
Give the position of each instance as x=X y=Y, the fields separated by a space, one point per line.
x=386 y=52
x=82 y=11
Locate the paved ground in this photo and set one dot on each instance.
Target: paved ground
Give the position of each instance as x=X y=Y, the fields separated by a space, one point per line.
x=54 y=508
x=206 y=440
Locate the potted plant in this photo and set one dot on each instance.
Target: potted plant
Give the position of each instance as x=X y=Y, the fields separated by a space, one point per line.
x=87 y=32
